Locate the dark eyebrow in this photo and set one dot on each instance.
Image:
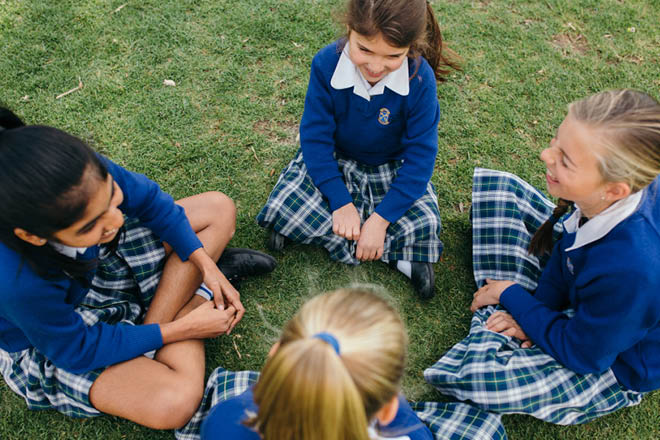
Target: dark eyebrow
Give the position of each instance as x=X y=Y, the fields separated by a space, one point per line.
x=91 y=223
x=369 y=50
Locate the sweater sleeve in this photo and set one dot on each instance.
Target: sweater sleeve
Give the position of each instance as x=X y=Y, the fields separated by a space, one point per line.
x=420 y=147
x=552 y=289
x=317 y=131
x=54 y=328
x=609 y=317
x=156 y=209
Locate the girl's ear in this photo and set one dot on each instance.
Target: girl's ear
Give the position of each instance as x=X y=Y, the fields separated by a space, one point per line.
x=274 y=348
x=616 y=191
x=30 y=238
x=387 y=413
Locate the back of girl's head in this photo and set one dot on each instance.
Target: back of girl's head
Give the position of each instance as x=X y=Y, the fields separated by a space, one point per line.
x=627 y=145
x=308 y=390
x=403 y=23
x=44 y=180
x=628 y=127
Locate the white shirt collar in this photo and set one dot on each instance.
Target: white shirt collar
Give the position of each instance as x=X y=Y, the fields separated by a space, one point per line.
x=373 y=435
x=69 y=251
x=598 y=226
x=348 y=75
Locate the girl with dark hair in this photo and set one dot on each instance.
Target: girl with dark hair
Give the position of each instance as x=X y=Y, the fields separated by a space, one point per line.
x=586 y=342
x=85 y=248
x=361 y=183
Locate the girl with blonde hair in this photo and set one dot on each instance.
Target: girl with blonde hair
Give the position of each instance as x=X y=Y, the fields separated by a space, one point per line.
x=335 y=373
x=581 y=337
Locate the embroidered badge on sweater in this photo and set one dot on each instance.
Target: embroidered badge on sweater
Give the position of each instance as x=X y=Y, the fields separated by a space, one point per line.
x=384 y=116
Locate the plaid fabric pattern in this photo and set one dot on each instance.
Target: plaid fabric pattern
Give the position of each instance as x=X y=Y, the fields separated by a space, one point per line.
x=451 y=421
x=492 y=370
x=221 y=385
x=297 y=209
x=459 y=421
x=122 y=289
x=506 y=212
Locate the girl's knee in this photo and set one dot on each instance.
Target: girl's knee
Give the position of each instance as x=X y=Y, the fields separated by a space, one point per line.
x=177 y=405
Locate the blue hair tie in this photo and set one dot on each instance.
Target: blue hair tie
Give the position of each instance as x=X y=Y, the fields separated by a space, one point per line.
x=329 y=339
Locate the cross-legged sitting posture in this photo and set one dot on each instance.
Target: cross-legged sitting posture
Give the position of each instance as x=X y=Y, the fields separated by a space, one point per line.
x=360 y=186
x=98 y=266
x=576 y=335
x=334 y=374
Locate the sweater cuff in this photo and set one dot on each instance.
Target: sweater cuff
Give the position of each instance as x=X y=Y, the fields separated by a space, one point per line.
x=147 y=337
x=183 y=240
x=517 y=301
x=336 y=192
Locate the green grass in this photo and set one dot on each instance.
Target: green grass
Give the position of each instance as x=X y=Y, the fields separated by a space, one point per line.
x=241 y=70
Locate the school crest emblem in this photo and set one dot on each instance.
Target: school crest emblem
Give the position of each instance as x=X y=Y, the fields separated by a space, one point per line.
x=384 y=116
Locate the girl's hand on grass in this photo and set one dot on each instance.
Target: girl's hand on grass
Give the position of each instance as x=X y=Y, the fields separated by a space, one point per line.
x=372 y=238
x=489 y=293
x=502 y=322
x=346 y=222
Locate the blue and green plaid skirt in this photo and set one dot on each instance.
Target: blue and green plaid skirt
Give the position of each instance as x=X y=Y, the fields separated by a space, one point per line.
x=122 y=289
x=446 y=420
x=491 y=370
x=297 y=209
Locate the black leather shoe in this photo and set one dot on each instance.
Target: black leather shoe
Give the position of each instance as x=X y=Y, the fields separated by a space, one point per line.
x=237 y=263
x=276 y=241
x=423 y=279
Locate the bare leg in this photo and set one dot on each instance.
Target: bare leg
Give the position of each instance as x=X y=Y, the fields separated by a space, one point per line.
x=212 y=216
x=162 y=393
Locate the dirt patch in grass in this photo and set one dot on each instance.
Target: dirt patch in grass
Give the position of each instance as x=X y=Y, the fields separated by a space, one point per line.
x=571 y=43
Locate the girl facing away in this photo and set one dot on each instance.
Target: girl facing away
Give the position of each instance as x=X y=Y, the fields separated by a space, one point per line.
x=85 y=249
x=576 y=335
x=334 y=374
x=360 y=183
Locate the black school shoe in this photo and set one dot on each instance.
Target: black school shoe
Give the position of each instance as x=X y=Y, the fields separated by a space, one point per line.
x=423 y=279
x=238 y=263
x=276 y=241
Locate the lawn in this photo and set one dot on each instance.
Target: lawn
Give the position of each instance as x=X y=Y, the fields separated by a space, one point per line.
x=240 y=70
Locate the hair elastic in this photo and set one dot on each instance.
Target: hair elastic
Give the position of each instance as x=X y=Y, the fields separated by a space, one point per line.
x=329 y=339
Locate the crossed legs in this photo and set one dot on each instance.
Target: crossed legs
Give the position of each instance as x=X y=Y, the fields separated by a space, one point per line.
x=164 y=392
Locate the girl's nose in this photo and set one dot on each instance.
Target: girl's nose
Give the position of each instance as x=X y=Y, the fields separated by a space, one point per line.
x=547 y=156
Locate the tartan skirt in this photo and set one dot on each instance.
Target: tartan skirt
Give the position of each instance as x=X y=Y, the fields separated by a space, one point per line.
x=122 y=289
x=445 y=420
x=297 y=209
x=493 y=371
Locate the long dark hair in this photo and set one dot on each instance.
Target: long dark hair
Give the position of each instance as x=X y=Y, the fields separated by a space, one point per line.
x=404 y=23
x=45 y=184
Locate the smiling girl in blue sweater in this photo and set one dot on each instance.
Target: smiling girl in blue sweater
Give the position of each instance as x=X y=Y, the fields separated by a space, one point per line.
x=360 y=184
x=586 y=340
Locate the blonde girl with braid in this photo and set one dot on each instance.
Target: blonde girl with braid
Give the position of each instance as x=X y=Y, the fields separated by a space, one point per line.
x=579 y=336
x=334 y=374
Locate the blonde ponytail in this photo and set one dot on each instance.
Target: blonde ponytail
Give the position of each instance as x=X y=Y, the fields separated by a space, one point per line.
x=309 y=390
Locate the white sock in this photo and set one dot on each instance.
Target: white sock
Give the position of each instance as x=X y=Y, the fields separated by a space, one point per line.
x=204 y=292
x=404 y=267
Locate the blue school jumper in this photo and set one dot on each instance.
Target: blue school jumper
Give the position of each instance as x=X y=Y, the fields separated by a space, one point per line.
x=613 y=284
x=40 y=313
x=385 y=128
x=225 y=421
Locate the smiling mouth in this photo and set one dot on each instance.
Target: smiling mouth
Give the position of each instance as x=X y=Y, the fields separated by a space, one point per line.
x=109 y=233
x=551 y=177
